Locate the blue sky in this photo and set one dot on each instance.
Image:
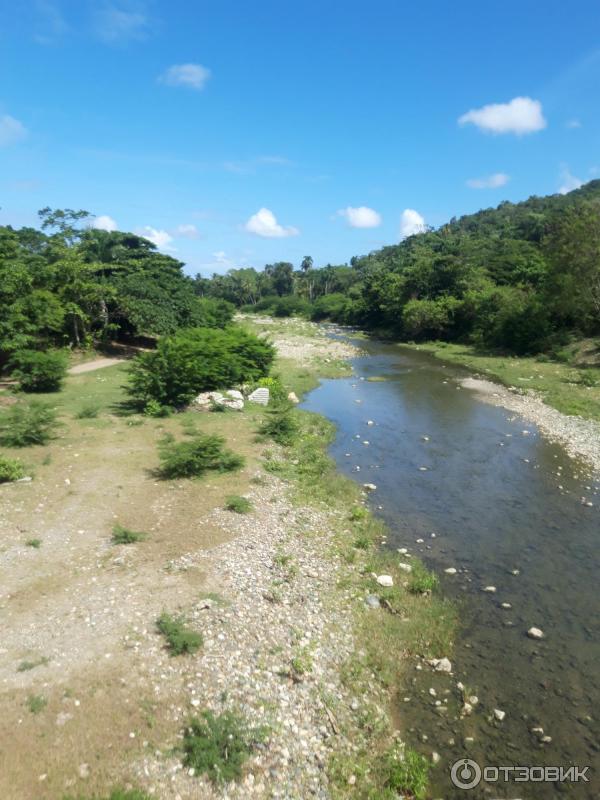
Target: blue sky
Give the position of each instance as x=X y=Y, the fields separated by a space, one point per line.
x=236 y=133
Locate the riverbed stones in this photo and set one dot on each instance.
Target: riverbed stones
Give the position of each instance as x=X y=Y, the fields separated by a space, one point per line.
x=370 y=487
x=489 y=589
x=450 y=571
x=405 y=567
x=385 y=580
x=441 y=664
x=499 y=714
x=535 y=633
x=372 y=601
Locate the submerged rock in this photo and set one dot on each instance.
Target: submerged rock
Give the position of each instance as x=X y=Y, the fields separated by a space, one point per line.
x=441 y=664
x=535 y=633
x=499 y=714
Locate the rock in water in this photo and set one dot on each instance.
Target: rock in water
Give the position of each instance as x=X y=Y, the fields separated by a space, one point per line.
x=499 y=715
x=260 y=396
x=535 y=633
x=441 y=664
x=450 y=571
x=370 y=487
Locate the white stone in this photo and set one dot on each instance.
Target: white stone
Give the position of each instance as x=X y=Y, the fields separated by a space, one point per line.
x=370 y=422
x=441 y=664
x=489 y=589
x=260 y=396
x=405 y=567
x=535 y=633
x=385 y=580
x=293 y=397
x=235 y=394
x=370 y=487
x=499 y=715
x=450 y=571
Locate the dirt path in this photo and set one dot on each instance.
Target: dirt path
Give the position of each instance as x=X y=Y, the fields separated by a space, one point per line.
x=97 y=363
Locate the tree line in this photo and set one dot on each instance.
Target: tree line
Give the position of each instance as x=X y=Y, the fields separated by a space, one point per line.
x=521 y=278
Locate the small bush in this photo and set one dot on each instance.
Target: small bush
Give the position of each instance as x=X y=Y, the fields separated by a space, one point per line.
x=422 y=581
x=292 y=305
x=180 y=639
x=88 y=411
x=121 y=535
x=117 y=794
x=36 y=703
x=281 y=424
x=241 y=505
x=10 y=469
x=35 y=543
x=405 y=772
x=197 y=360
x=277 y=391
x=191 y=459
x=219 y=746
x=25 y=666
x=39 y=371
x=26 y=425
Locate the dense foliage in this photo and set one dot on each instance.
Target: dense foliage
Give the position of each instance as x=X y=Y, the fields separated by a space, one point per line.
x=39 y=371
x=197 y=360
x=71 y=285
x=520 y=278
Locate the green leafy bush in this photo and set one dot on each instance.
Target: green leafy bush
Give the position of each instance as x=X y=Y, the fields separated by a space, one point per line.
x=292 y=305
x=241 y=505
x=10 y=469
x=219 y=746
x=121 y=535
x=26 y=425
x=280 y=424
x=35 y=543
x=193 y=457
x=197 y=360
x=180 y=640
x=39 y=371
x=422 y=581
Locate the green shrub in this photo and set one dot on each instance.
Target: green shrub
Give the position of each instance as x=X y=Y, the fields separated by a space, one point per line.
x=36 y=703
x=219 y=746
x=88 y=411
x=180 y=639
x=26 y=425
x=329 y=306
x=192 y=458
x=10 y=469
x=35 y=543
x=422 y=581
x=196 y=360
x=121 y=535
x=241 y=505
x=405 y=772
x=291 y=305
x=39 y=371
x=277 y=391
x=280 y=424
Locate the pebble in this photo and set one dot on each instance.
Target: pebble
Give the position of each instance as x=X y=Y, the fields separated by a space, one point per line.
x=405 y=567
x=489 y=589
x=385 y=580
x=450 y=571
x=499 y=714
x=535 y=633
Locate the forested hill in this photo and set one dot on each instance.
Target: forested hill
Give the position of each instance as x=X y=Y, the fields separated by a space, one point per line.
x=520 y=277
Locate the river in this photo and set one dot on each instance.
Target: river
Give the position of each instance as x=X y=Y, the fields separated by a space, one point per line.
x=503 y=506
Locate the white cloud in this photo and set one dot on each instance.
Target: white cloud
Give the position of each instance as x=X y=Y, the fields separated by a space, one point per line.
x=264 y=223
x=104 y=223
x=568 y=182
x=411 y=222
x=521 y=115
x=161 y=239
x=11 y=130
x=193 y=76
x=115 y=25
x=361 y=217
x=573 y=123
x=490 y=182
x=188 y=231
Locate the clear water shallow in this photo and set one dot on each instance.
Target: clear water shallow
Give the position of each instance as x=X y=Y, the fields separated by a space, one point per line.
x=491 y=496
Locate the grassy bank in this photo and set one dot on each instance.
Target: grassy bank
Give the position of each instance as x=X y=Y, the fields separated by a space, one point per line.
x=571 y=386
x=108 y=527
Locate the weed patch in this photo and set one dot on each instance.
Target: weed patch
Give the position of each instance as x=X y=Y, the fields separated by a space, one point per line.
x=180 y=640
x=10 y=469
x=241 y=505
x=36 y=703
x=121 y=535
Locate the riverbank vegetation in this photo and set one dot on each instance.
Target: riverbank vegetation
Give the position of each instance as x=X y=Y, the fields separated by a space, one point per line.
x=520 y=279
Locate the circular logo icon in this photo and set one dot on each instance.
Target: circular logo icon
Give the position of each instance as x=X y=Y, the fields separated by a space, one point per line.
x=465 y=773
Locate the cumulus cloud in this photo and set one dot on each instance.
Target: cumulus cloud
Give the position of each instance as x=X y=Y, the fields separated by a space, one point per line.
x=104 y=223
x=115 y=24
x=361 y=217
x=192 y=76
x=161 y=239
x=188 y=231
x=411 y=222
x=521 y=115
x=568 y=182
x=264 y=223
x=11 y=130
x=490 y=182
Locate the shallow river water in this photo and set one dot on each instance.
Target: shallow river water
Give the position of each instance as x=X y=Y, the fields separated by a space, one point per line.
x=505 y=507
